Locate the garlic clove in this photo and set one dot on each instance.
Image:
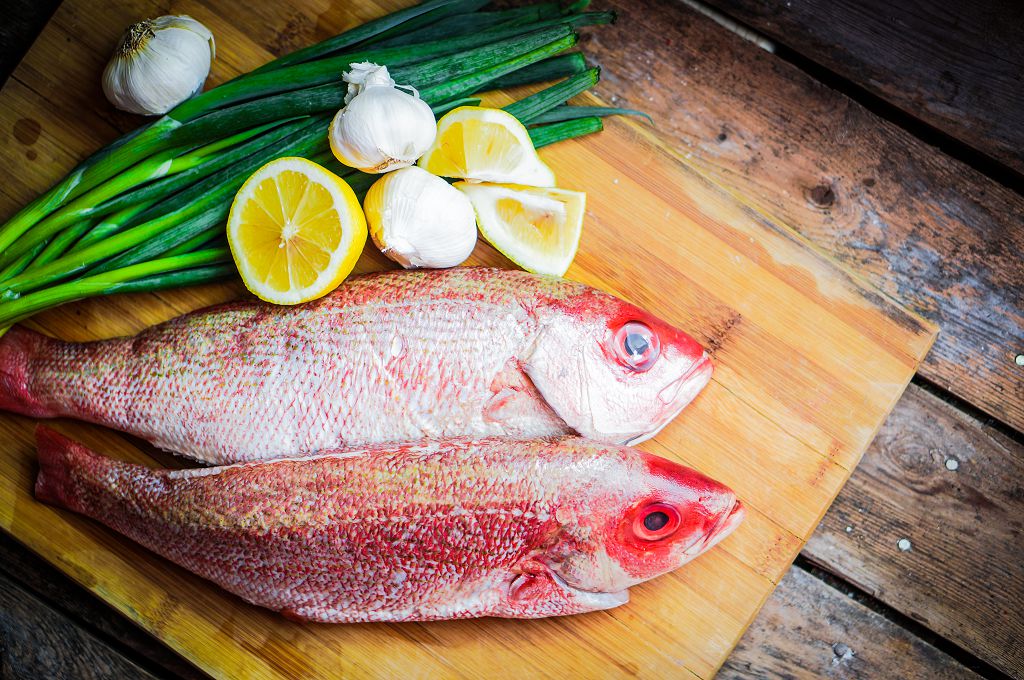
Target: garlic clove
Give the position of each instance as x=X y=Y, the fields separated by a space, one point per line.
x=419 y=220
x=158 y=64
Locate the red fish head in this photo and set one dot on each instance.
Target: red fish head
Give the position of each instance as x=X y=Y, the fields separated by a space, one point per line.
x=612 y=371
x=662 y=517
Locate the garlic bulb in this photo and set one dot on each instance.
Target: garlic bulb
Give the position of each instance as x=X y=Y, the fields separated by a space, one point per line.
x=419 y=220
x=381 y=127
x=158 y=64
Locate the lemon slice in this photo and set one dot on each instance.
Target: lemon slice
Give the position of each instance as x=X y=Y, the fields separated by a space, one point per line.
x=490 y=145
x=538 y=229
x=295 y=231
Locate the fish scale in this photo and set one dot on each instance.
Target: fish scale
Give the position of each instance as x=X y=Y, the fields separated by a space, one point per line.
x=395 y=356
x=453 y=529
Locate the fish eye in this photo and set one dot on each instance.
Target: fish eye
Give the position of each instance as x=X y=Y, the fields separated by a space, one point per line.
x=637 y=346
x=656 y=521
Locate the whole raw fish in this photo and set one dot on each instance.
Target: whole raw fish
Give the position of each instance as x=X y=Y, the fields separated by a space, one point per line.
x=441 y=530
x=395 y=356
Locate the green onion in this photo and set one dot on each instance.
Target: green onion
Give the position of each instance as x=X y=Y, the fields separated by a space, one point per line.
x=176 y=279
x=111 y=224
x=207 y=239
x=566 y=112
x=472 y=62
x=562 y=66
x=169 y=185
x=22 y=307
x=460 y=87
x=441 y=109
x=445 y=16
x=535 y=105
x=157 y=136
x=168 y=239
x=577 y=6
x=474 y=22
x=330 y=97
x=21 y=263
x=543 y=135
x=85 y=205
x=361 y=33
x=329 y=70
x=60 y=243
x=96 y=169
x=194 y=205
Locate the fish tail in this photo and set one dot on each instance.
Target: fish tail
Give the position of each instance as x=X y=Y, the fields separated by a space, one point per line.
x=64 y=467
x=18 y=346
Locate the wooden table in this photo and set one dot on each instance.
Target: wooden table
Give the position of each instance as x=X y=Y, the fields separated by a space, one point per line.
x=916 y=570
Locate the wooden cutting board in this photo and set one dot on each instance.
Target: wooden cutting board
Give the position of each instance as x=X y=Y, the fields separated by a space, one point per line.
x=809 y=362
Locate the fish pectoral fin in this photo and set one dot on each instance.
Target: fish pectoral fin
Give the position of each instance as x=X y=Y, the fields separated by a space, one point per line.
x=535 y=582
x=537 y=591
x=294 y=615
x=503 y=405
x=515 y=401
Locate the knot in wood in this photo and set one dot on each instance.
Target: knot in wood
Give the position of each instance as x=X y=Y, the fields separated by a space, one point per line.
x=822 y=196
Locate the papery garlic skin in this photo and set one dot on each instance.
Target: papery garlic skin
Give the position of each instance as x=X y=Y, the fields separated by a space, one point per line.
x=158 y=64
x=419 y=220
x=381 y=127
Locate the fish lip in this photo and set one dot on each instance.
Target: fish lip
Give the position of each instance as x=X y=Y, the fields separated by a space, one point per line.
x=725 y=525
x=644 y=436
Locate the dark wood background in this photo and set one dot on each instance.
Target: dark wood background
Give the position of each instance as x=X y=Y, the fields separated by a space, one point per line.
x=891 y=135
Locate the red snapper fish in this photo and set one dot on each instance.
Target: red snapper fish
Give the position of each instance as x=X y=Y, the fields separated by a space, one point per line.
x=393 y=356
x=410 y=532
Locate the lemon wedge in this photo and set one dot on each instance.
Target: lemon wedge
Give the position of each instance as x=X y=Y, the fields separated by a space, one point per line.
x=538 y=229
x=482 y=144
x=295 y=231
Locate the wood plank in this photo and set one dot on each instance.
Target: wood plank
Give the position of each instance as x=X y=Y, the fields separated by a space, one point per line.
x=809 y=363
x=962 y=575
x=919 y=226
x=36 y=641
x=808 y=629
x=957 y=66
x=25 y=570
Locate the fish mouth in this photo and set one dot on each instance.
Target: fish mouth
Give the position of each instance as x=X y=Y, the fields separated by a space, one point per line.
x=725 y=525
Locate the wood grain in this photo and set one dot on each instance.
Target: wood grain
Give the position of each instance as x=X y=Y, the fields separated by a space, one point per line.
x=962 y=576
x=956 y=66
x=916 y=224
x=37 y=642
x=808 y=629
x=809 y=362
